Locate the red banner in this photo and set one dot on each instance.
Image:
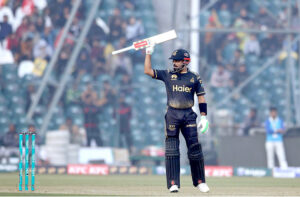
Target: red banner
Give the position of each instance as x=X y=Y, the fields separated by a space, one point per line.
x=2 y=3
x=28 y=7
x=88 y=169
x=219 y=171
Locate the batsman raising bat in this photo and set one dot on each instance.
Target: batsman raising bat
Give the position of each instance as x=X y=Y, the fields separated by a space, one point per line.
x=181 y=85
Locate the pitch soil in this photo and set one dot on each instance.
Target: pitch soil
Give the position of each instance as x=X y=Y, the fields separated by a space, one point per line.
x=146 y=185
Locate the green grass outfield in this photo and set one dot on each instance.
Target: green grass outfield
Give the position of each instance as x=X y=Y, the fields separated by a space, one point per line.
x=144 y=185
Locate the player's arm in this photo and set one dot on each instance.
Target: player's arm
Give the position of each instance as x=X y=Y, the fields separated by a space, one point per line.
x=202 y=102
x=203 y=124
x=147 y=66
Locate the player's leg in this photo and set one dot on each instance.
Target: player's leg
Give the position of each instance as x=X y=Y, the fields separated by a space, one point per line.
x=195 y=154
x=97 y=137
x=172 y=154
x=270 y=154
x=172 y=161
x=281 y=155
x=128 y=138
x=88 y=136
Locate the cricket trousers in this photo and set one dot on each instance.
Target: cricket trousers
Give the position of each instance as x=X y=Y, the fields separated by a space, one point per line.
x=183 y=120
x=277 y=148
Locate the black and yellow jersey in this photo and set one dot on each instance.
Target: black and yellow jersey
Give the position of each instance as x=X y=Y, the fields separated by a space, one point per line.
x=180 y=87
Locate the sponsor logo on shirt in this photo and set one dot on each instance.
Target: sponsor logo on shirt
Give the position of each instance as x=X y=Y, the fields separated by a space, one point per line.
x=183 y=88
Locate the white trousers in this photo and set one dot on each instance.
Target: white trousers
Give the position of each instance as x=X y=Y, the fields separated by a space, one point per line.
x=277 y=148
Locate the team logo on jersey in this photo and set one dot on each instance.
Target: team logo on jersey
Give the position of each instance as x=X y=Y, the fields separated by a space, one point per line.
x=172 y=127
x=192 y=80
x=174 y=77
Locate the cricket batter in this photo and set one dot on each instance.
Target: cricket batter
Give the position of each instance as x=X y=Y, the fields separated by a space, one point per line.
x=181 y=85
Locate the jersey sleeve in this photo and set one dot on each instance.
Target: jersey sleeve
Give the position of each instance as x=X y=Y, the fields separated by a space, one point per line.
x=160 y=74
x=199 y=86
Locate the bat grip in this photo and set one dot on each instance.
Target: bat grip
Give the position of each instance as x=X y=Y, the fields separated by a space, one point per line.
x=122 y=50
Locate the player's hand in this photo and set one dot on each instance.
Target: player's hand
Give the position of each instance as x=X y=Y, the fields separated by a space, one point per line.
x=203 y=124
x=150 y=49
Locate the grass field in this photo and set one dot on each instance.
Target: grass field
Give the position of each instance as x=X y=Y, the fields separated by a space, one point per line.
x=142 y=185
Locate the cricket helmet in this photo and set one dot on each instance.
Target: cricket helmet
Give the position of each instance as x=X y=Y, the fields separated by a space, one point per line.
x=180 y=54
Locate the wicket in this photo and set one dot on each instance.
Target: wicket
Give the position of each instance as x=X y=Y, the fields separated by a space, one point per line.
x=27 y=136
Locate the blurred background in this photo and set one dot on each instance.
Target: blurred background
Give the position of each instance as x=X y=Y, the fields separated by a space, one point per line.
x=58 y=77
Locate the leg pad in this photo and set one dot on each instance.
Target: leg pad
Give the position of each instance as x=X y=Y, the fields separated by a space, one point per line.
x=195 y=155
x=172 y=161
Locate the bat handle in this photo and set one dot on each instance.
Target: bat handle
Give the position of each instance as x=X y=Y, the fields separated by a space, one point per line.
x=122 y=50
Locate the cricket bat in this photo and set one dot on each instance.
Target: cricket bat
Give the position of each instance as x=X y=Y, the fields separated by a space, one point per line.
x=159 y=38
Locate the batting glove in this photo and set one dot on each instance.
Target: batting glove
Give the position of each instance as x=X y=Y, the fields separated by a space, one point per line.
x=203 y=124
x=150 y=49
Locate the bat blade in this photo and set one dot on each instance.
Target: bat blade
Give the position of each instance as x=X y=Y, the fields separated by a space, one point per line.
x=169 y=35
x=157 y=39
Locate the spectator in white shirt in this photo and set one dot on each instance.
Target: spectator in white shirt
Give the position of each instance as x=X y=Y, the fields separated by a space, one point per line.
x=252 y=46
x=220 y=78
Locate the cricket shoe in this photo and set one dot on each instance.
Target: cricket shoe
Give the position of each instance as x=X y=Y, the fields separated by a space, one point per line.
x=174 y=188
x=203 y=187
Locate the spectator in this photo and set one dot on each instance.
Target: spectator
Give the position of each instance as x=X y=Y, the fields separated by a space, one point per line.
x=77 y=134
x=75 y=28
x=225 y=15
x=62 y=60
x=269 y=45
x=97 y=51
x=32 y=33
x=13 y=44
x=5 y=30
x=240 y=75
x=116 y=26
x=42 y=50
x=237 y=59
x=209 y=39
x=47 y=19
x=91 y=110
x=295 y=23
x=108 y=93
x=49 y=36
x=252 y=46
x=220 y=77
x=244 y=15
x=127 y=5
x=26 y=49
x=274 y=139
x=96 y=33
x=84 y=64
x=40 y=24
x=32 y=129
x=23 y=28
x=134 y=29
x=58 y=12
x=72 y=95
x=11 y=138
x=99 y=68
x=123 y=113
x=125 y=85
x=120 y=64
x=263 y=19
x=250 y=122
x=11 y=143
